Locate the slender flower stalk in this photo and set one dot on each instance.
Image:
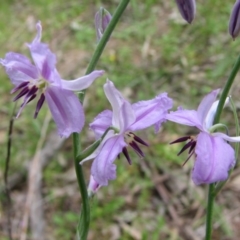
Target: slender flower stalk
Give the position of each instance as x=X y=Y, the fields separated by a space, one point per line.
x=211 y=192
x=84 y=221
x=42 y=79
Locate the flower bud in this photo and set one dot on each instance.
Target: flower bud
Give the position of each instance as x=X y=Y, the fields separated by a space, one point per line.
x=187 y=8
x=102 y=19
x=234 y=22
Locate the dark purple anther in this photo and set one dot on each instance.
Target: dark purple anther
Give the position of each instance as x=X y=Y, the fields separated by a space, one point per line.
x=139 y=140
x=181 y=139
x=31 y=98
x=125 y=152
x=186 y=146
x=39 y=104
x=21 y=85
x=32 y=92
x=191 y=145
x=136 y=148
x=22 y=93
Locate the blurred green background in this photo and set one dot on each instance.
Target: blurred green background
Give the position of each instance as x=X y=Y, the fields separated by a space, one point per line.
x=152 y=50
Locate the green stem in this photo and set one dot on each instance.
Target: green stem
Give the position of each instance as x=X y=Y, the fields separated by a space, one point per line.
x=102 y=43
x=84 y=221
x=210 y=205
x=211 y=195
x=226 y=90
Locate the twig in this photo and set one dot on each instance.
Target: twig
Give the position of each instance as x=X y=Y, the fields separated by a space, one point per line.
x=8 y=157
x=33 y=207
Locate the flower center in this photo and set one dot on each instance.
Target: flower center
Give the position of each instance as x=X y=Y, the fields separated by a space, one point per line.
x=41 y=84
x=29 y=91
x=131 y=139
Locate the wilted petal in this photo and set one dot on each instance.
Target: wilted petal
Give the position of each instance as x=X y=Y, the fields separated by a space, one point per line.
x=82 y=82
x=187 y=8
x=66 y=110
x=103 y=168
x=214 y=158
x=234 y=22
x=101 y=123
x=185 y=117
x=19 y=68
x=151 y=112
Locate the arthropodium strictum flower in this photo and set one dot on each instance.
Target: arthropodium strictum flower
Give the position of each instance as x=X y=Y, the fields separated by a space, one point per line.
x=214 y=157
x=234 y=22
x=44 y=80
x=124 y=119
x=187 y=8
x=102 y=19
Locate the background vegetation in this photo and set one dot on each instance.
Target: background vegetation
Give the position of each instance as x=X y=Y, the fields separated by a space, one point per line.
x=151 y=51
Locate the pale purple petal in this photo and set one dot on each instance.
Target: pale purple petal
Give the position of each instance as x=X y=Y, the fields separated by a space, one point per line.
x=101 y=123
x=208 y=122
x=93 y=185
x=226 y=137
x=45 y=61
x=103 y=168
x=151 y=112
x=214 y=158
x=205 y=106
x=82 y=82
x=19 y=68
x=126 y=116
x=109 y=134
x=116 y=100
x=38 y=37
x=185 y=117
x=66 y=110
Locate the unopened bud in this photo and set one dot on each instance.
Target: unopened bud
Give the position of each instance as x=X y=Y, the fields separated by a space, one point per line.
x=234 y=23
x=102 y=19
x=187 y=8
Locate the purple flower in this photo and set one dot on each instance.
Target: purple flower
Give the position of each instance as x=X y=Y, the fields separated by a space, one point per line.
x=125 y=119
x=234 y=23
x=187 y=8
x=214 y=157
x=42 y=79
x=102 y=19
